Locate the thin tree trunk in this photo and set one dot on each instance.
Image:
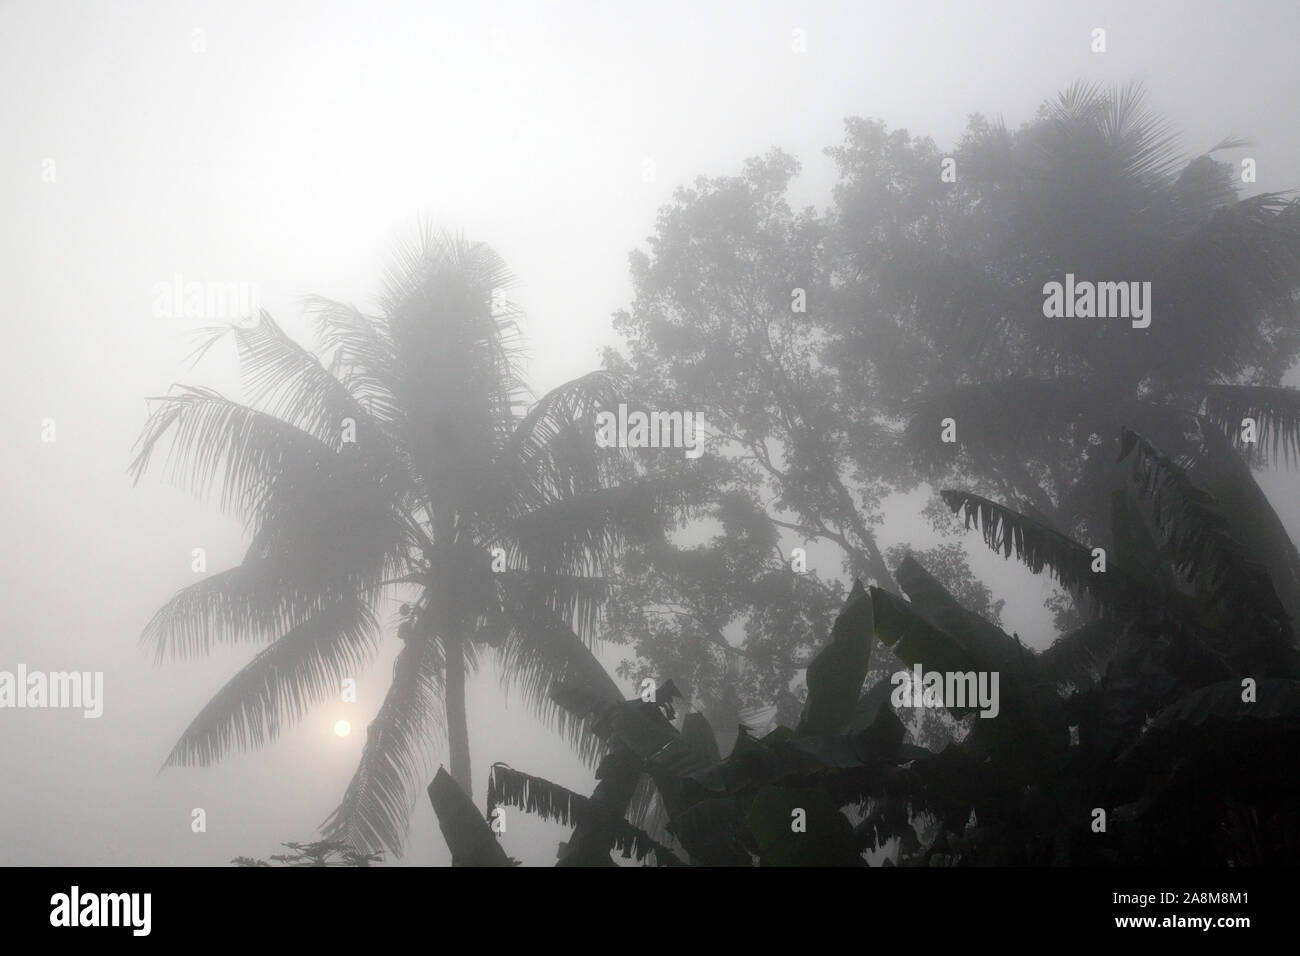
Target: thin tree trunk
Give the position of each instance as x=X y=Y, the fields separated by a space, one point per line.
x=878 y=569
x=457 y=719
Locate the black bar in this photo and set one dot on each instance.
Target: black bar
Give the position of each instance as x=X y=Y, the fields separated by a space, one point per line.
x=272 y=904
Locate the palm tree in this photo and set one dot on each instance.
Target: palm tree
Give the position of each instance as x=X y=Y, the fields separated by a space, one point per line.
x=401 y=462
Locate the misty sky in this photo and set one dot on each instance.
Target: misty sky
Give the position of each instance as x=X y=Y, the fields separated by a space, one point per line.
x=291 y=150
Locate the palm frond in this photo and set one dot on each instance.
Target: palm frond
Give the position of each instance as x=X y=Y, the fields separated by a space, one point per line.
x=1148 y=141
x=375 y=810
x=1140 y=143
x=210 y=430
x=362 y=354
x=1276 y=412
x=1229 y=142
x=552 y=450
x=550 y=801
x=303 y=501
x=542 y=651
x=1041 y=547
x=578 y=600
x=290 y=383
x=251 y=602
x=580 y=534
x=280 y=684
x=253 y=452
x=1081 y=101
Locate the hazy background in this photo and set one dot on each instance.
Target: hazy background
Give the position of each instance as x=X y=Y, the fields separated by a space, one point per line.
x=292 y=152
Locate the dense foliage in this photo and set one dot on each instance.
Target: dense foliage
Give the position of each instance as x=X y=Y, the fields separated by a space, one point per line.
x=1163 y=731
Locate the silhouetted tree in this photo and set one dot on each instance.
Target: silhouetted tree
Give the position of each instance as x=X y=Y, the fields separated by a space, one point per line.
x=923 y=300
x=394 y=464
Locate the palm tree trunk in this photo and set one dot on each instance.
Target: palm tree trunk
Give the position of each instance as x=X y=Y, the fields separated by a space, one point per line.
x=457 y=719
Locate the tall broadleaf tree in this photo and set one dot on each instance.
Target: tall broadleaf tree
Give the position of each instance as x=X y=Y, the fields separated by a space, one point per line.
x=827 y=349
x=728 y=322
x=402 y=462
